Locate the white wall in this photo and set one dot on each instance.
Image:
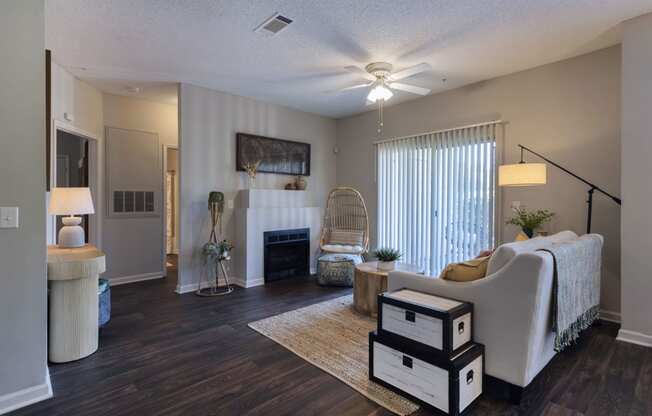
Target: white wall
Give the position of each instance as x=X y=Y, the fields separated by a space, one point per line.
x=636 y=186
x=23 y=344
x=568 y=111
x=209 y=121
x=134 y=246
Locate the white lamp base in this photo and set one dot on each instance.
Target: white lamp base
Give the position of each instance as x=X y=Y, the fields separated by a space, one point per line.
x=71 y=235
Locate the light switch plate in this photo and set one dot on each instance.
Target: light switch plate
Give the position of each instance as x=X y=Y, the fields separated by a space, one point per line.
x=8 y=217
x=229 y=203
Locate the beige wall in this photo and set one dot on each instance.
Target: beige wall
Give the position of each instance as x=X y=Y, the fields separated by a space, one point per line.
x=636 y=186
x=23 y=339
x=209 y=122
x=134 y=246
x=80 y=100
x=568 y=111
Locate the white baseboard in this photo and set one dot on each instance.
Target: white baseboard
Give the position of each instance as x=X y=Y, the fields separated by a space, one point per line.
x=238 y=281
x=187 y=288
x=248 y=283
x=181 y=289
x=25 y=397
x=634 y=337
x=123 y=280
x=610 y=316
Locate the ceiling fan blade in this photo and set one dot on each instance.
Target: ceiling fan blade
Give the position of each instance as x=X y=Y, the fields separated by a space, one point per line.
x=352 y=87
x=355 y=87
x=408 y=72
x=359 y=71
x=409 y=88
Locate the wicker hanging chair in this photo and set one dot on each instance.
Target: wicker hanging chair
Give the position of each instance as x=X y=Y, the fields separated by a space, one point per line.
x=346 y=223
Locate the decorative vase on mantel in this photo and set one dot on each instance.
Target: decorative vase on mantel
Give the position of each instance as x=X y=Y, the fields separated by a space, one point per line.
x=300 y=183
x=251 y=169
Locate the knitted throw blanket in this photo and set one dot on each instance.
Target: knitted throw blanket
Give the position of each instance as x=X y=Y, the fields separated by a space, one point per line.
x=576 y=287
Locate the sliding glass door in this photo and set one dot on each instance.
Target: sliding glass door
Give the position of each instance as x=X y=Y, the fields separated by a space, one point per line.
x=437 y=195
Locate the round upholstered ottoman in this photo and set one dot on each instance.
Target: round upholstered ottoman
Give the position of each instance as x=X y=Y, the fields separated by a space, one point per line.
x=337 y=269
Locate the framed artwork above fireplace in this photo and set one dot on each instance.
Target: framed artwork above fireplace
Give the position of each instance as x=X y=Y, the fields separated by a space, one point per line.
x=279 y=156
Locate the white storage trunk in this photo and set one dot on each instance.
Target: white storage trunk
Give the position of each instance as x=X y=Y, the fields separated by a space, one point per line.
x=449 y=386
x=425 y=322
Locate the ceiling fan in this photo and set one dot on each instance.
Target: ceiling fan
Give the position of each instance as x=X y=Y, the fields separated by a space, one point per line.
x=382 y=81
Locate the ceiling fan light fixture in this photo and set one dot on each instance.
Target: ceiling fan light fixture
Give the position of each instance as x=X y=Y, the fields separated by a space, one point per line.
x=379 y=92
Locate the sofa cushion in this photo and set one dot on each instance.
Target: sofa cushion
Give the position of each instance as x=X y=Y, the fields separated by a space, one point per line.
x=466 y=271
x=504 y=253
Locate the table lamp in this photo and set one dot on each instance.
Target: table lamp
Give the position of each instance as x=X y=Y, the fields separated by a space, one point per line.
x=71 y=201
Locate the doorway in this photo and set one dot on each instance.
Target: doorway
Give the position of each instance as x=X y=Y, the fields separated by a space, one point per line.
x=72 y=170
x=73 y=163
x=171 y=198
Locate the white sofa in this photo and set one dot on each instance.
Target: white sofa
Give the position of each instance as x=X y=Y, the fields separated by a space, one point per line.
x=512 y=306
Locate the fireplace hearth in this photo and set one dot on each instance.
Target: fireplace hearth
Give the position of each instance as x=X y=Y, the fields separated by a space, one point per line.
x=287 y=254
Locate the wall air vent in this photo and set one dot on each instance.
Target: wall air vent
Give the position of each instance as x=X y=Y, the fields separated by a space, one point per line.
x=273 y=25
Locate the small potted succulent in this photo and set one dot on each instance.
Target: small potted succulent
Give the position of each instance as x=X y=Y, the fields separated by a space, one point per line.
x=387 y=258
x=530 y=221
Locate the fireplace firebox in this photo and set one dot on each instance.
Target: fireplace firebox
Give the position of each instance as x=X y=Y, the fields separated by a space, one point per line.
x=287 y=254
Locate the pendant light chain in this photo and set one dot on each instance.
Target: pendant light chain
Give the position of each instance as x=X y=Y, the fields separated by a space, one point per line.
x=380 y=117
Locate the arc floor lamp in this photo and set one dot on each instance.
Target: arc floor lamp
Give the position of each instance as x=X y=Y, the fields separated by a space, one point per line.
x=531 y=174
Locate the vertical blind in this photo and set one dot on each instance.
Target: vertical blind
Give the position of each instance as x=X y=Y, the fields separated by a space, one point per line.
x=437 y=195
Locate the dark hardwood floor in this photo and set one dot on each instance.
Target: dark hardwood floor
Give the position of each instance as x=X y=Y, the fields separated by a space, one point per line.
x=165 y=354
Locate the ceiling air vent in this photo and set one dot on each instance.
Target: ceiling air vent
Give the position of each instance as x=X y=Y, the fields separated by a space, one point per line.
x=273 y=25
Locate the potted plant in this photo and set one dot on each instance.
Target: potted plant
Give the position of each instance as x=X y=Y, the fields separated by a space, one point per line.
x=529 y=221
x=387 y=258
x=224 y=247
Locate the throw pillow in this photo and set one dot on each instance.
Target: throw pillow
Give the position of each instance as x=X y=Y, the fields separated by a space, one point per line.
x=466 y=271
x=346 y=237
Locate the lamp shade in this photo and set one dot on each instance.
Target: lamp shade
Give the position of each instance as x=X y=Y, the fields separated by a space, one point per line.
x=71 y=201
x=522 y=174
x=379 y=92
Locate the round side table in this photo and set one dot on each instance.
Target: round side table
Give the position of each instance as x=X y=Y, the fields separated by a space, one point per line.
x=370 y=282
x=73 y=275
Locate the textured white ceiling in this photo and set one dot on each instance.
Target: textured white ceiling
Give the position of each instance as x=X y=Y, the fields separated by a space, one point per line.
x=212 y=43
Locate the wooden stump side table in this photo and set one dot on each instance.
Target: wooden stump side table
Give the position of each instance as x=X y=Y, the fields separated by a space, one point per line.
x=371 y=282
x=73 y=275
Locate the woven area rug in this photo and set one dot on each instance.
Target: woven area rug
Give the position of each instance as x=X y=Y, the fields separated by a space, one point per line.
x=331 y=336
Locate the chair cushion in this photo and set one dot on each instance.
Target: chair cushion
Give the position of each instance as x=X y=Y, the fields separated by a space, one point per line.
x=342 y=248
x=466 y=271
x=504 y=253
x=346 y=237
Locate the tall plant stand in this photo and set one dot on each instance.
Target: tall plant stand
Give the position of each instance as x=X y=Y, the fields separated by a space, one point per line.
x=219 y=257
x=215 y=289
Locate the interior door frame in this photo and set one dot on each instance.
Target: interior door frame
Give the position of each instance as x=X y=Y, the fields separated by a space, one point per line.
x=165 y=148
x=94 y=221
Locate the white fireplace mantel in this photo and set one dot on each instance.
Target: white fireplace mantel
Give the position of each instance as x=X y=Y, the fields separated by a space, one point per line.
x=260 y=210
